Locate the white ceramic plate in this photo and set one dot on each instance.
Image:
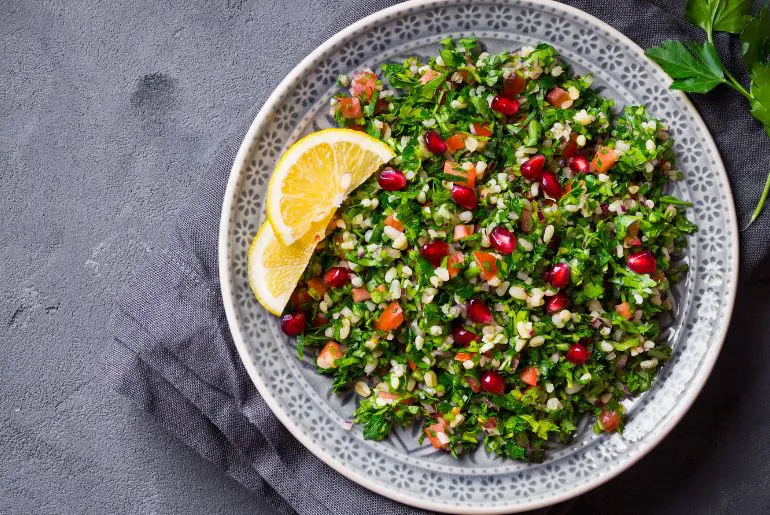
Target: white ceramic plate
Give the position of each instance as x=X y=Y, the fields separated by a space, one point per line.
x=398 y=467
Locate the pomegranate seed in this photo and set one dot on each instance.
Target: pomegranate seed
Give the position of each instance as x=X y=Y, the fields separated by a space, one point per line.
x=505 y=106
x=609 y=420
x=293 y=323
x=532 y=168
x=557 y=303
x=492 y=382
x=558 y=275
x=391 y=179
x=478 y=311
x=551 y=184
x=502 y=240
x=434 y=251
x=642 y=262
x=435 y=142
x=577 y=354
x=579 y=164
x=462 y=336
x=464 y=196
x=336 y=276
x=570 y=150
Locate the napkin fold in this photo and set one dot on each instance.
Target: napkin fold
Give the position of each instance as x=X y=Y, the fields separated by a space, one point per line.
x=174 y=357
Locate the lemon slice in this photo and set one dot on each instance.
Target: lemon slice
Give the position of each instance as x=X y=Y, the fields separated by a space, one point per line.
x=316 y=174
x=275 y=268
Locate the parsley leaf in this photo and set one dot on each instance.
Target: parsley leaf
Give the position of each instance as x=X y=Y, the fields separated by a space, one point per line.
x=722 y=15
x=376 y=427
x=755 y=39
x=760 y=94
x=696 y=67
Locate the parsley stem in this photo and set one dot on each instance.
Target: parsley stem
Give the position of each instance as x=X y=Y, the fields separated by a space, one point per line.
x=761 y=203
x=733 y=83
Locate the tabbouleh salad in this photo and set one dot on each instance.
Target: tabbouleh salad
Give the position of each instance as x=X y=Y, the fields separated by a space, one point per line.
x=504 y=275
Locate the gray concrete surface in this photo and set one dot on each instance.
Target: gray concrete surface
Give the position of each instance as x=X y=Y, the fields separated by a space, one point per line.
x=108 y=112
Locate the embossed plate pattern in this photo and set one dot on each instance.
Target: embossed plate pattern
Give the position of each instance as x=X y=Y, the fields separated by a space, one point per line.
x=398 y=467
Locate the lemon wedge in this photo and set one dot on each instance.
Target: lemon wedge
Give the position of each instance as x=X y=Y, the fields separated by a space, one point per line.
x=316 y=174
x=275 y=268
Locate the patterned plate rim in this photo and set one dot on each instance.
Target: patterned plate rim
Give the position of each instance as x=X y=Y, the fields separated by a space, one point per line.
x=228 y=296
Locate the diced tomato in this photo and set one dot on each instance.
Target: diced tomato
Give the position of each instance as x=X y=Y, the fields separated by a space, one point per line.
x=462 y=231
x=453 y=263
x=350 y=107
x=463 y=356
x=480 y=129
x=299 y=298
x=460 y=175
x=319 y=320
x=428 y=76
x=412 y=365
x=529 y=376
x=356 y=127
x=432 y=433
x=609 y=420
x=317 y=285
x=604 y=159
x=456 y=142
x=391 y=317
x=490 y=426
x=514 y=85
x=394 y=222
x=397 y=398
x=360 y=294
x=632 y=241
x=473 y=383
x=488 y=264
x=331 y=352
x=624 y=310
x=363 y=84
x=557 y=97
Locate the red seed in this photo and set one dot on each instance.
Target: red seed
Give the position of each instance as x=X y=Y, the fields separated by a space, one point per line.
x=505 y=106
x=557 y=303
x=293 y=323
x=492 y=382
x=609 y=420
x=462 y=336
x=570 y=149
x=578 y=354
x=435 y=142
x=478 y=311
x=336 y=276
x=579 y=164
x=551 y=185
x=464 y=196
x=532 y=168
x=434 y=251
x=642 y=262
x=502 y=240
x=391 y=179
x=558 y=275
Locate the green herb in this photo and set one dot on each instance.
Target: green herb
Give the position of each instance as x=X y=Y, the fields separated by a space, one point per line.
x=697 y=68
x=720 y=15
x=417 y=373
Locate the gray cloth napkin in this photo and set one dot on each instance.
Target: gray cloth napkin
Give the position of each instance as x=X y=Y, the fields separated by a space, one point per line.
x=173 y=354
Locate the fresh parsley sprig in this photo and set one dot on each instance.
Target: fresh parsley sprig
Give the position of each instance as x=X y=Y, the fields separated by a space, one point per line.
x=697 y=68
